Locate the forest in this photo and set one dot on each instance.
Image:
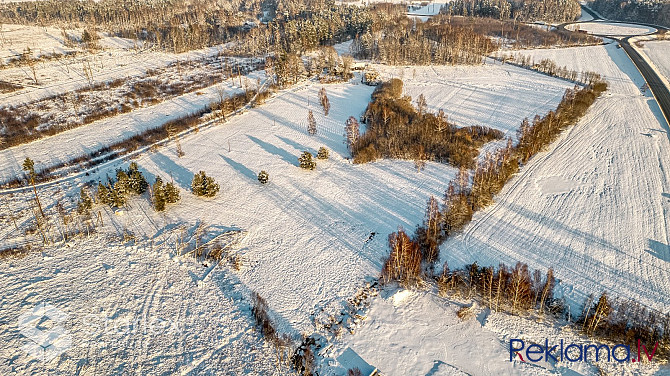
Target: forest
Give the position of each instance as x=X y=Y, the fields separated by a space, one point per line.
x=653 y=12
x=552 y=11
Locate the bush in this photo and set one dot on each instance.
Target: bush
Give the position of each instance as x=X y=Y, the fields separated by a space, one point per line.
x=263 y=177
x=203 y=185
x=306 y=161
x=323 y=153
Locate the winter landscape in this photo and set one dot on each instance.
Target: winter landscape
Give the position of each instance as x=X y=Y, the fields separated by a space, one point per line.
x=243 y=187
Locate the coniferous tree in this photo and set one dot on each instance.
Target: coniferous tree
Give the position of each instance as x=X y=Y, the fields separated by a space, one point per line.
x=159 y=195
x=263 y=177
x=85 y=203
x=323 y=153
x=171 y=193
x=306 y=161
x=311 y=123
x=29 y=166
x=203 y=185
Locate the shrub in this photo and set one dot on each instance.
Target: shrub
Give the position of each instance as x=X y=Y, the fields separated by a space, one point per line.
x=306 y=161
x=203 y=185
x=263 y=177
x=323 y=153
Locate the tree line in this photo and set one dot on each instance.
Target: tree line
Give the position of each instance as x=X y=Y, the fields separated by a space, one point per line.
x=396 y=129
x=553 y=11
x=401 y=40
x=652 y=11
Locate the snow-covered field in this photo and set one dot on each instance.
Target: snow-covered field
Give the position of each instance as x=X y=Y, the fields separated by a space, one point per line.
x=658 y=52
x=494 y=95
x=118 y=58
x=130 y=310
x=612 y=29
x=594 y=206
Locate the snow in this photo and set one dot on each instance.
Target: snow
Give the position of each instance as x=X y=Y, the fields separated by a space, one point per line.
x=611 y=29
x=88 y=138
x=494 y=95
x=131 y=311
x=584 y=207
x=658 y=52
x=423 y=336
x=119 y=58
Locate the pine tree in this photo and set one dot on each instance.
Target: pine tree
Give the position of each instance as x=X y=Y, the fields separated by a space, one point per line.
x=311 y=123
x=203 y=185
x=306 y=161
x=171 y=193
x=159 y=195
x=85 y=203
x=103 y=195
x=136 y=181
x=29 y=166
x=263 y=177
x=323 y=153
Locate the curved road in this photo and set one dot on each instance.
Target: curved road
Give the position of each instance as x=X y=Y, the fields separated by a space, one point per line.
x=658 y=88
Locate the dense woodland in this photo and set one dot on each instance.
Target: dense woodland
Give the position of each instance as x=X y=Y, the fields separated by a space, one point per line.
x=409 y=41
x=521 y=10
x=518 y=34
x=648 y=11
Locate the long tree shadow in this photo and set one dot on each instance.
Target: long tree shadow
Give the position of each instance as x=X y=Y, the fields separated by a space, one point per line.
x=180 y=174
x=659 y=250
x=296 y=145
x=283 y=154
x=239 y=167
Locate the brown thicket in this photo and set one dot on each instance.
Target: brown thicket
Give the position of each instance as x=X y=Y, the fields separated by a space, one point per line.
x=395 y=129
x=404 y=263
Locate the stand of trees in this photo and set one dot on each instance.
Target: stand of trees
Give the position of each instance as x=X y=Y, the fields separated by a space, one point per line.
x=395 y=129
x=409 y=41
x=518 y=34
x=552 y=11
x=650 y=11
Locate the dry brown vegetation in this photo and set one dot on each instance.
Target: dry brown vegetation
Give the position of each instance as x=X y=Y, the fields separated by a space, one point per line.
x=395 y=129
x=142 y=139
x=55 y=114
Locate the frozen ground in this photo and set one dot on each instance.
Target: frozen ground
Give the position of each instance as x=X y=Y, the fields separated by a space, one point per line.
x=659 y=52
x=313 y=236
x=118 y=58
x=88 y=138
x=498 y=96
x=130 y=310
x=612 y=29
x=419 y=333
x=595 y=205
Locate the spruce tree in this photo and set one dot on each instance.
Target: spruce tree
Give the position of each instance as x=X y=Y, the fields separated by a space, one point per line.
x=263 y=177
x=323 y=153
x=159 y=195
x=306 y=161
x=203 y=185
